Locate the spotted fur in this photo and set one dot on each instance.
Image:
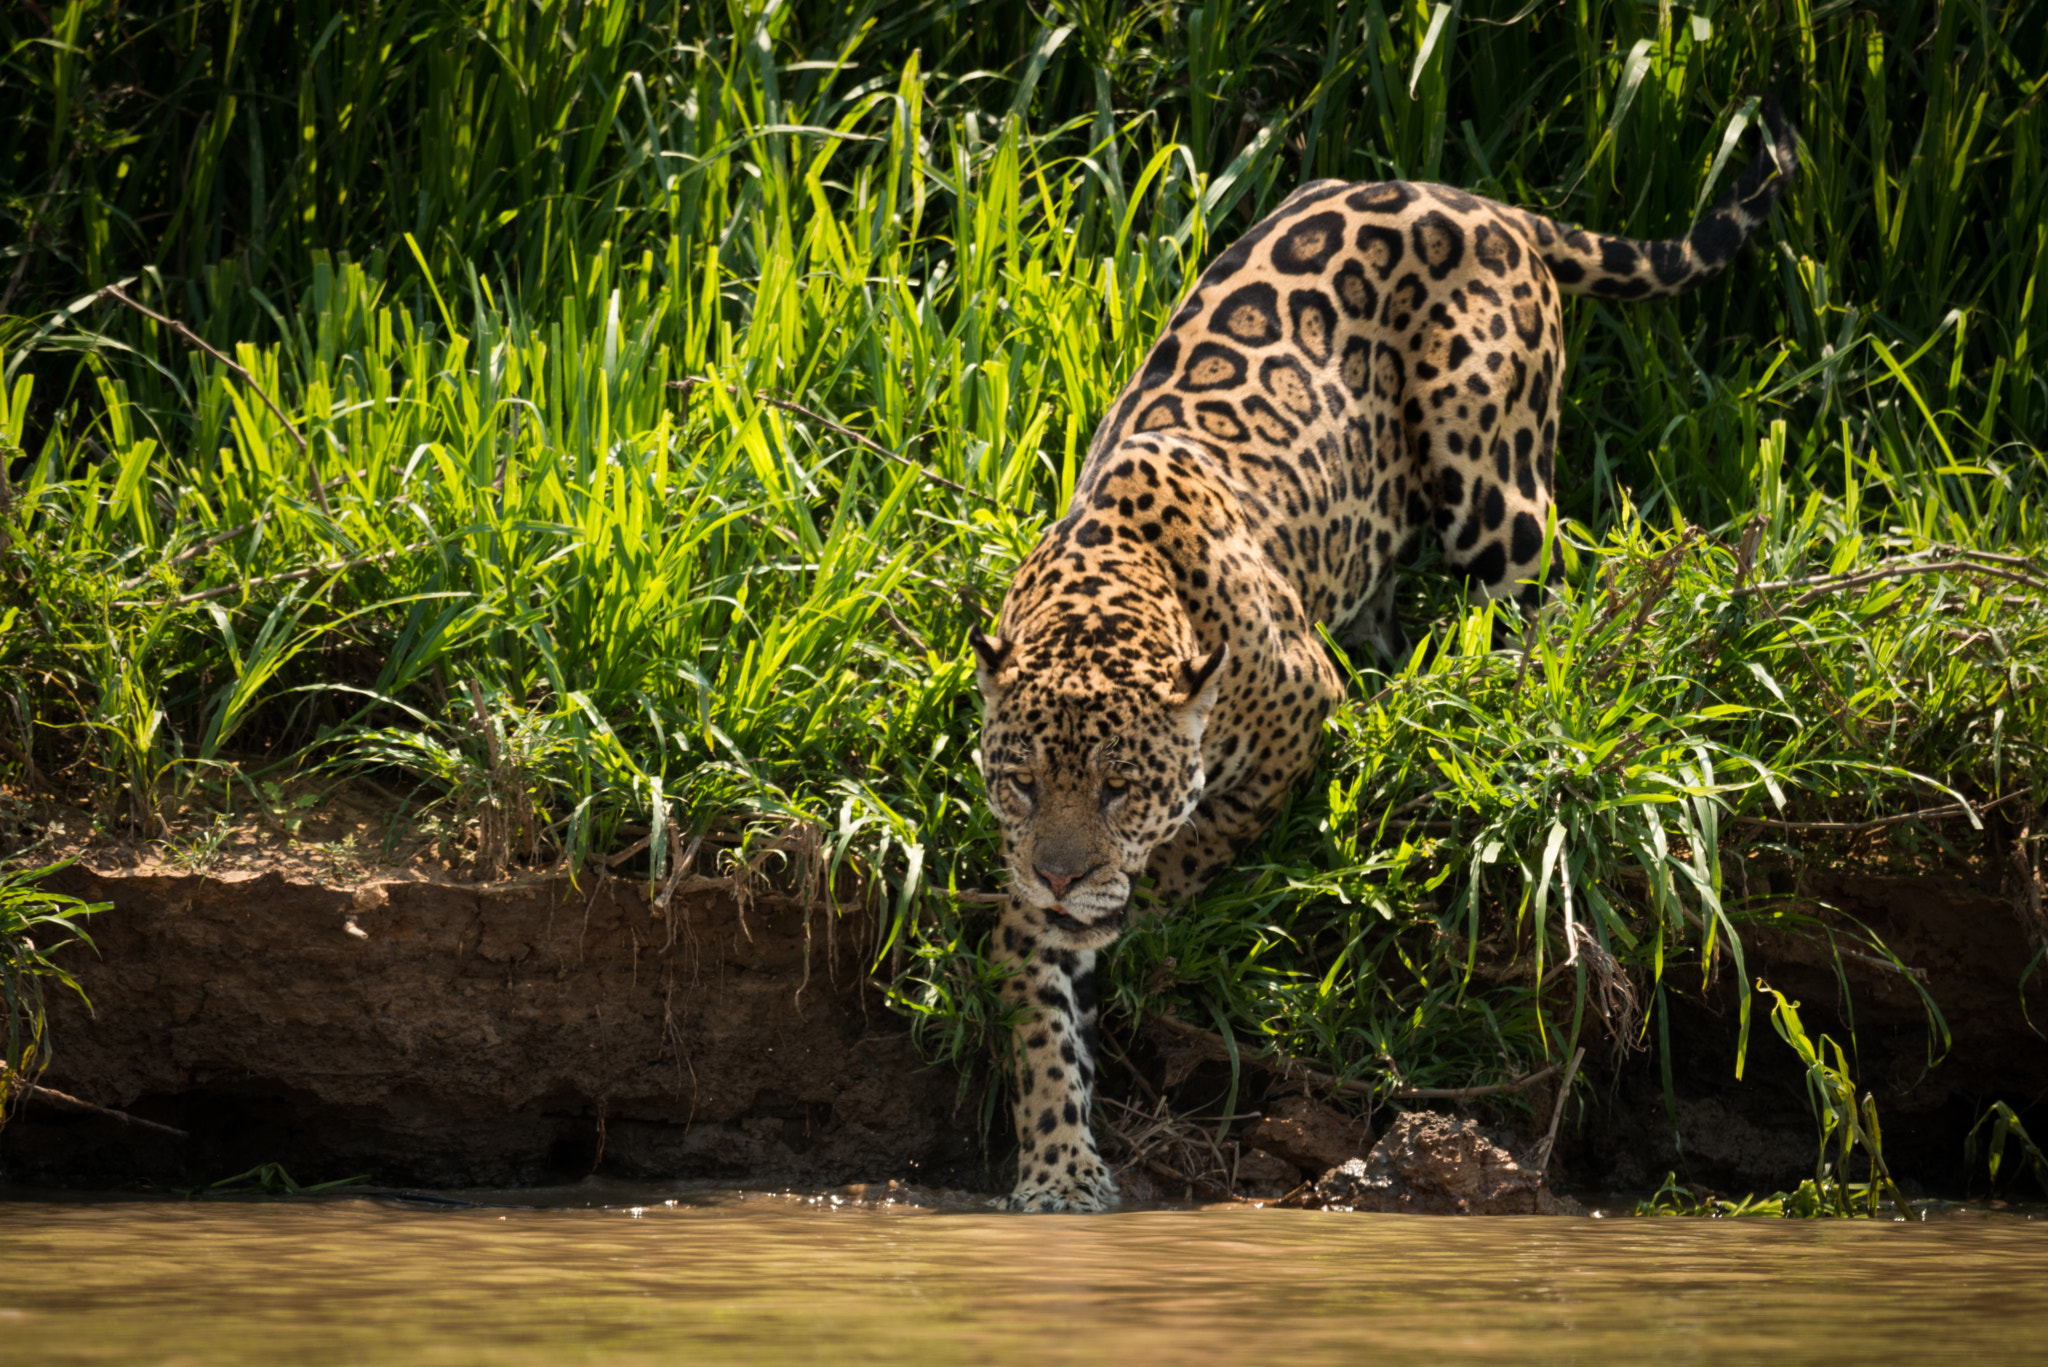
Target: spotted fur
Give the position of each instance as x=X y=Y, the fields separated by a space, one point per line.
x=1368 y=363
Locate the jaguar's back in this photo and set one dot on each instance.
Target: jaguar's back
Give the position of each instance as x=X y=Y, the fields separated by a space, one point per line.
x=1371 y=361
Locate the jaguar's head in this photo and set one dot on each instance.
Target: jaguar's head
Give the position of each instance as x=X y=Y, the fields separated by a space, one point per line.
x=1088 y=774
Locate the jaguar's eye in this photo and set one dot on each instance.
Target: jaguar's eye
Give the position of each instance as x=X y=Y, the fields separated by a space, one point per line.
x=1116 y=785
x=1026 y=787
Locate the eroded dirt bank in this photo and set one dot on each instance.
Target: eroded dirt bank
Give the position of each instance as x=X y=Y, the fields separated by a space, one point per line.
x=434 y=1033
x=438 y=1033
x=1967 y=945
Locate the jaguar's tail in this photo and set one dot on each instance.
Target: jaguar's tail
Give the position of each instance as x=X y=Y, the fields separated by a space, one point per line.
x=1624 y=268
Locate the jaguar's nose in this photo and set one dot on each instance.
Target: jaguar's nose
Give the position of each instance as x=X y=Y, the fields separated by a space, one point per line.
x=1058 y=882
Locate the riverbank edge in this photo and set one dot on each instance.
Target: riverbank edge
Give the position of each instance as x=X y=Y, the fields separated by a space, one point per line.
x=428 y=1031
x=433 y=1032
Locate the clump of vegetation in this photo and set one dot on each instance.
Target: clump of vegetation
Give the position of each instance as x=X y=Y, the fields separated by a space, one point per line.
x=268 y=1179
x=612 y=417
x=34 y=924
x=1846 y=1123
x=2006 y=1129
x=1852 y=1127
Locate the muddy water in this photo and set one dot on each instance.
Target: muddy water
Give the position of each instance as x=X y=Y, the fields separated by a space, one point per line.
x=594 y=1278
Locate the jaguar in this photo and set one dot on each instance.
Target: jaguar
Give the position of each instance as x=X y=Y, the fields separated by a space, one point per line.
x=1366 y=365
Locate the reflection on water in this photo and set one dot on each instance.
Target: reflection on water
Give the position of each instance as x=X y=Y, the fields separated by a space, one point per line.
x=769 y=1279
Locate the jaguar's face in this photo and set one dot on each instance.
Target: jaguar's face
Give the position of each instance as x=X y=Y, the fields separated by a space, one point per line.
x=1086 y=779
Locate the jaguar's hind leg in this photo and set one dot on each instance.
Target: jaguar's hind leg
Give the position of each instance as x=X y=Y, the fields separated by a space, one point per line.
x=1377 y=627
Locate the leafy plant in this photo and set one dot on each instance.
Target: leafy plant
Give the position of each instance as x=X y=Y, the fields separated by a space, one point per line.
x=26 y=912
x=1846 y=1123
x=1850 y=1123
x=270 y=1179
x=1810 y=1200
x=286 y=810
x=200 y=851
x=2005 y=1126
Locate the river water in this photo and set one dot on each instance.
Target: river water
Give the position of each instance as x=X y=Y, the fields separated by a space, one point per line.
x=670 y=1275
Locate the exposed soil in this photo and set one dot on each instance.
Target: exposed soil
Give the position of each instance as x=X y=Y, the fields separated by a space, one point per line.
x=405 y=1024
x=1970 y=948
x=424 y=1031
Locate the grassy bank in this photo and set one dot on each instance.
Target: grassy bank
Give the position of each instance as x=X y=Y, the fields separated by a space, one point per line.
x=613 y=417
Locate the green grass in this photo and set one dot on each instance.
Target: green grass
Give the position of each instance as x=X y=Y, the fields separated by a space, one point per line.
x=470 y=249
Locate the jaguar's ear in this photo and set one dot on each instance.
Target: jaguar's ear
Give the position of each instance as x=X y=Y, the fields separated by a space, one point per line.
x=991 y=653
x=1200 y=681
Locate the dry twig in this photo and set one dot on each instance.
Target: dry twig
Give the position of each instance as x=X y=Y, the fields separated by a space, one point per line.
x=199 y=548
x=309 y=572
x=35 y=1091
x=1917 y=974
x=1156 y=1135
x=1564 y=1091
x=1878 y=823
x=1818 y=585
x=612 y=861
x=864 y=442
x=241 y=372
x=1846 y=717
x=1519 y=1084
x=916 y=641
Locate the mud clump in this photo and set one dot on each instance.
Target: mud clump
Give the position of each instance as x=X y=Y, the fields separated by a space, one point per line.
x=440 y=1033
x=1309 y=1135
x=1431 y=1164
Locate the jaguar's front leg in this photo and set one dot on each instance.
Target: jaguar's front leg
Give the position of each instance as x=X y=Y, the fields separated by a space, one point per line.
x=1053 y=986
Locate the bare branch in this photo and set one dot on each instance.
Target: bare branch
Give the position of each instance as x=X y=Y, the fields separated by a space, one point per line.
x=1819 y=585
x=1557 y=1111
x=200 y=548
x=309 y=572
x=866 y=443
x=35 y=1091
x=241 y=372
x=1878 y=823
